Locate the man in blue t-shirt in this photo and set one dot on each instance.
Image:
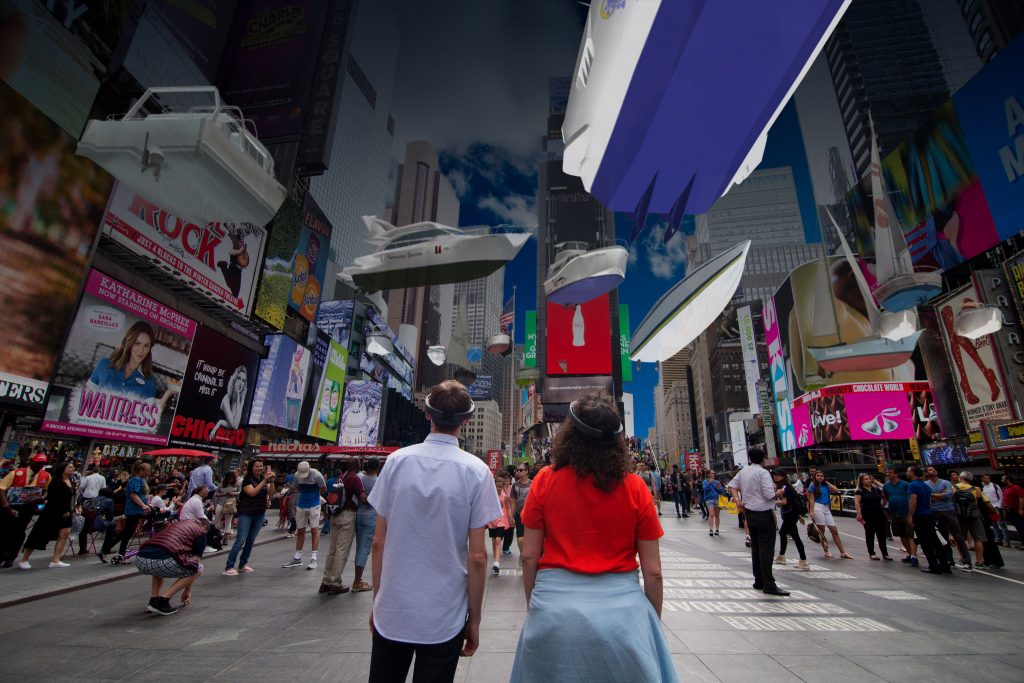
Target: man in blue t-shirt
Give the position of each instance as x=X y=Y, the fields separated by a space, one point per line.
x=897 y=496
x=311 y=486
x=944 y=512
x=924 y=523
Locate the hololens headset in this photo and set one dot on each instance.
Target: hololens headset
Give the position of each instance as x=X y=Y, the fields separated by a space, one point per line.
x=448 y=420
x=592 y=433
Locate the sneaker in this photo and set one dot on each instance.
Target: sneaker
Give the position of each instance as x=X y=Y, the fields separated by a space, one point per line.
x=230 y=571
x=58 y=565
x=780 y=560
x=311 y=566
x=747 y=541
x=711 y=533
x=24 y=565
x=966 y=567
x=803 y=565
x=324 y=588
x=907 y=560
x=290 y=536
x=495 y=569
x=716 y=532
x=338 y=590
x=913 y=562
x=982 y=565
x=503 y=552
x=678 y=516
x=161 y=606
x=294 y=562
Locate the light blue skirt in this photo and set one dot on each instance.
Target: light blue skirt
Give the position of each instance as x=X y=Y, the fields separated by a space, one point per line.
x=593 y=628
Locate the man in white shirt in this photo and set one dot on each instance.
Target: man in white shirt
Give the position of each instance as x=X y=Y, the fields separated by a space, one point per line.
x=757 y=500
x=193 y=507
x=994 y=493
x=88 y=488
x=428 y=588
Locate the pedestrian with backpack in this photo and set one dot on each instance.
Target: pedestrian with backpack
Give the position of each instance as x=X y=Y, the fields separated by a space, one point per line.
x=967 y=500
x=793 y=510
x=944 y=511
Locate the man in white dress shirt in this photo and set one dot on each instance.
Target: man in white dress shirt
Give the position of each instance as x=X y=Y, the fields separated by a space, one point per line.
x=757 y=500
x=433 y=502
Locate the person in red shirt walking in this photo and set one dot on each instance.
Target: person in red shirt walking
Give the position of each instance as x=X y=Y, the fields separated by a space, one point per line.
x=587 y=519
x=1013 y=504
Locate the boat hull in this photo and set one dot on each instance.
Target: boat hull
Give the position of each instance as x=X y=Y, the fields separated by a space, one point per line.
x=908 y=290
x=630 y=120
x=203 y=176
x=687 y=309
x=587 y=276
x=865 y=355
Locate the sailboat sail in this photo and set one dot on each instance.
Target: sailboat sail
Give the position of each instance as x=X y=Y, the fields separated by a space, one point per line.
x=824 y=328
x=891 y=254
x=458 y=353
x=862 y=284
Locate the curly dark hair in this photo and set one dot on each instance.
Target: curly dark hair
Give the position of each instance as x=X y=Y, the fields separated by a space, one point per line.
x=608 y=463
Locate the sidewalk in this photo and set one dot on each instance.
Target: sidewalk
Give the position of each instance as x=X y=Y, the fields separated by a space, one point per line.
x=17 y=586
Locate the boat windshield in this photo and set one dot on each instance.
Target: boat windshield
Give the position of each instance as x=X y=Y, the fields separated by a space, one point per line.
x=419 y=236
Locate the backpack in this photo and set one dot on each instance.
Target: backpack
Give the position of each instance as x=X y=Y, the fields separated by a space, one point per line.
x=800 y=503
x=336 y=498
x=966 y=504
x=90 y=504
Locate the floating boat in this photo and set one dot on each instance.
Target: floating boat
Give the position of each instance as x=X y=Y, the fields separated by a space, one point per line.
x=900 y=286
x=579 y=273
x=424 y=254
x=499 y=344
x=687 y=309
x=671 y=100
x=201 y=164
x=975 y=320
x=437 y=354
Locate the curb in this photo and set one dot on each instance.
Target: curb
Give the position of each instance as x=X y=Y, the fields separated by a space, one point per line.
x=109 y=579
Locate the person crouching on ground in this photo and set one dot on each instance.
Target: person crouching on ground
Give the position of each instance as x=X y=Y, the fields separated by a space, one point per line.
x=175 y=553
x=587 y=519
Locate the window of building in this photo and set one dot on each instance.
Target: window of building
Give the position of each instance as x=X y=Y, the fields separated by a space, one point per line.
x=362 y=82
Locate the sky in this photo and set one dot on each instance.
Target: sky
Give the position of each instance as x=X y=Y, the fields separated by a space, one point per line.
x=473 y=81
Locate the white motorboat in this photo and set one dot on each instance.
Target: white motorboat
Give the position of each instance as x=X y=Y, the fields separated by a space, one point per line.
x=687 y=309
x=423 y=254
x=579 y=274
x=499 y=344
x=202 y=163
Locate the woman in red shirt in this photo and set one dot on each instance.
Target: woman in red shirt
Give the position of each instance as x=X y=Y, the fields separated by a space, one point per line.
x=587 y=519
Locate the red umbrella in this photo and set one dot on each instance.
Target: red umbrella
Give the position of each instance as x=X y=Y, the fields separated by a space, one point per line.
x=179 y=452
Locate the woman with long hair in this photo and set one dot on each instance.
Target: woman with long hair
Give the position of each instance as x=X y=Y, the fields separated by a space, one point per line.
x=712 y=489
x=54 y=521
x=819 y=506
x=789 y=501
x=496 y=528
x=226 y=499
x=129 y=368
x=870 y=513
x=587 y=519
x=257 y=489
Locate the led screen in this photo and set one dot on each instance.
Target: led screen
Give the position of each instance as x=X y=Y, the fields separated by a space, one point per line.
x=578 y=339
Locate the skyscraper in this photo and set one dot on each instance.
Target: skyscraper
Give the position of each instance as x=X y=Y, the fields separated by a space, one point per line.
x=422 y=193
x=567 y=213
x=357 y=182
x=992 y=24
x=484 y=302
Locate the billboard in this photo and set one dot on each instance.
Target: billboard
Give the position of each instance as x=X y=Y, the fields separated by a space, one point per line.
x=578 y=339
x=627 y=367
x=778 y=390
x=480 y=389
x=218 y=259
x=323 y=423
x=494 y=461
x=52 y=204
x=865 y=412
x=309 y=263
x=335 y=320
x=738 y=438
x=978 y=381
x=748 y=346
x=991 y=109
x=201 y=27
x=530 y=343
x=55 y=54
x=279 y=264
x=361 y=415
x=269 y=63
x=213 y=406
x=569 y=389
x=121 y=368
x=628 y=416
x=994 y=291
x=281 y=384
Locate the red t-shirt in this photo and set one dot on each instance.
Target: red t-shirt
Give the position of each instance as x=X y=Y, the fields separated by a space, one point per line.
x=587 y=530
x=1011 y=496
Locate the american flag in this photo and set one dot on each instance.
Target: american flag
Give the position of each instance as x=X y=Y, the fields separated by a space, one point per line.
x=508 y=316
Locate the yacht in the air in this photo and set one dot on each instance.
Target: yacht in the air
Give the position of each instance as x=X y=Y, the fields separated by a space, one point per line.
x=579 y=273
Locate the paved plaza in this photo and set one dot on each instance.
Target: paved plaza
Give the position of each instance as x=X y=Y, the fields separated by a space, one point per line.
x=847 y=620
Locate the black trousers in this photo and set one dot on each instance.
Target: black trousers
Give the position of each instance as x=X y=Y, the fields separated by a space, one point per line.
x=390 y=660
x=924 y=527
x=12 y=531
x=876 y=526
x=762 y=546
x=790 y=529
x=506 y=541
x=131 y=523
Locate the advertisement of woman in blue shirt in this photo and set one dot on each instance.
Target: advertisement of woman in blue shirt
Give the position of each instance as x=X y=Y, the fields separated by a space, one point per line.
x=129 y=369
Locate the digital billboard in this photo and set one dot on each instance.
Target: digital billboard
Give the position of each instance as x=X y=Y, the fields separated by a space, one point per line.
x=281 y=384
x=569 y=389
x=323 y=423
x=310 y=260
x=201 y=28
x=778 y=389
x=864 y=412
x=480 y=389
x=361 y=415
x=218 y=259
x=578 y=339
x=121 y=369
x=978 y=382
x=279 y=265
x=627 y=366
x=530 y=341
x=52 y=204
x=213 y=407
x=335 y=320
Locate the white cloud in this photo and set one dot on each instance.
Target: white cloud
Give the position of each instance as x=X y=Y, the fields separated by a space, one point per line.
x=513 y=209
x=459 y=182
x=666 y=261
x=633 y=255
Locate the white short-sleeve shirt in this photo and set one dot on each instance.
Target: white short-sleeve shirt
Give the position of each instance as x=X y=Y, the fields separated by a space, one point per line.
x=431 y=495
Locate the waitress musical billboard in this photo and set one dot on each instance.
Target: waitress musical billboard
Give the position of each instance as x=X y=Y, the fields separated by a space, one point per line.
x=121 y=369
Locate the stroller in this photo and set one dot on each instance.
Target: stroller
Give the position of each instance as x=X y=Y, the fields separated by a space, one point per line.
x=154 y=521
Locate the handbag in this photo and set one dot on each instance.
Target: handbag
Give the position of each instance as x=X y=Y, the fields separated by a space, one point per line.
x=812 y=533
